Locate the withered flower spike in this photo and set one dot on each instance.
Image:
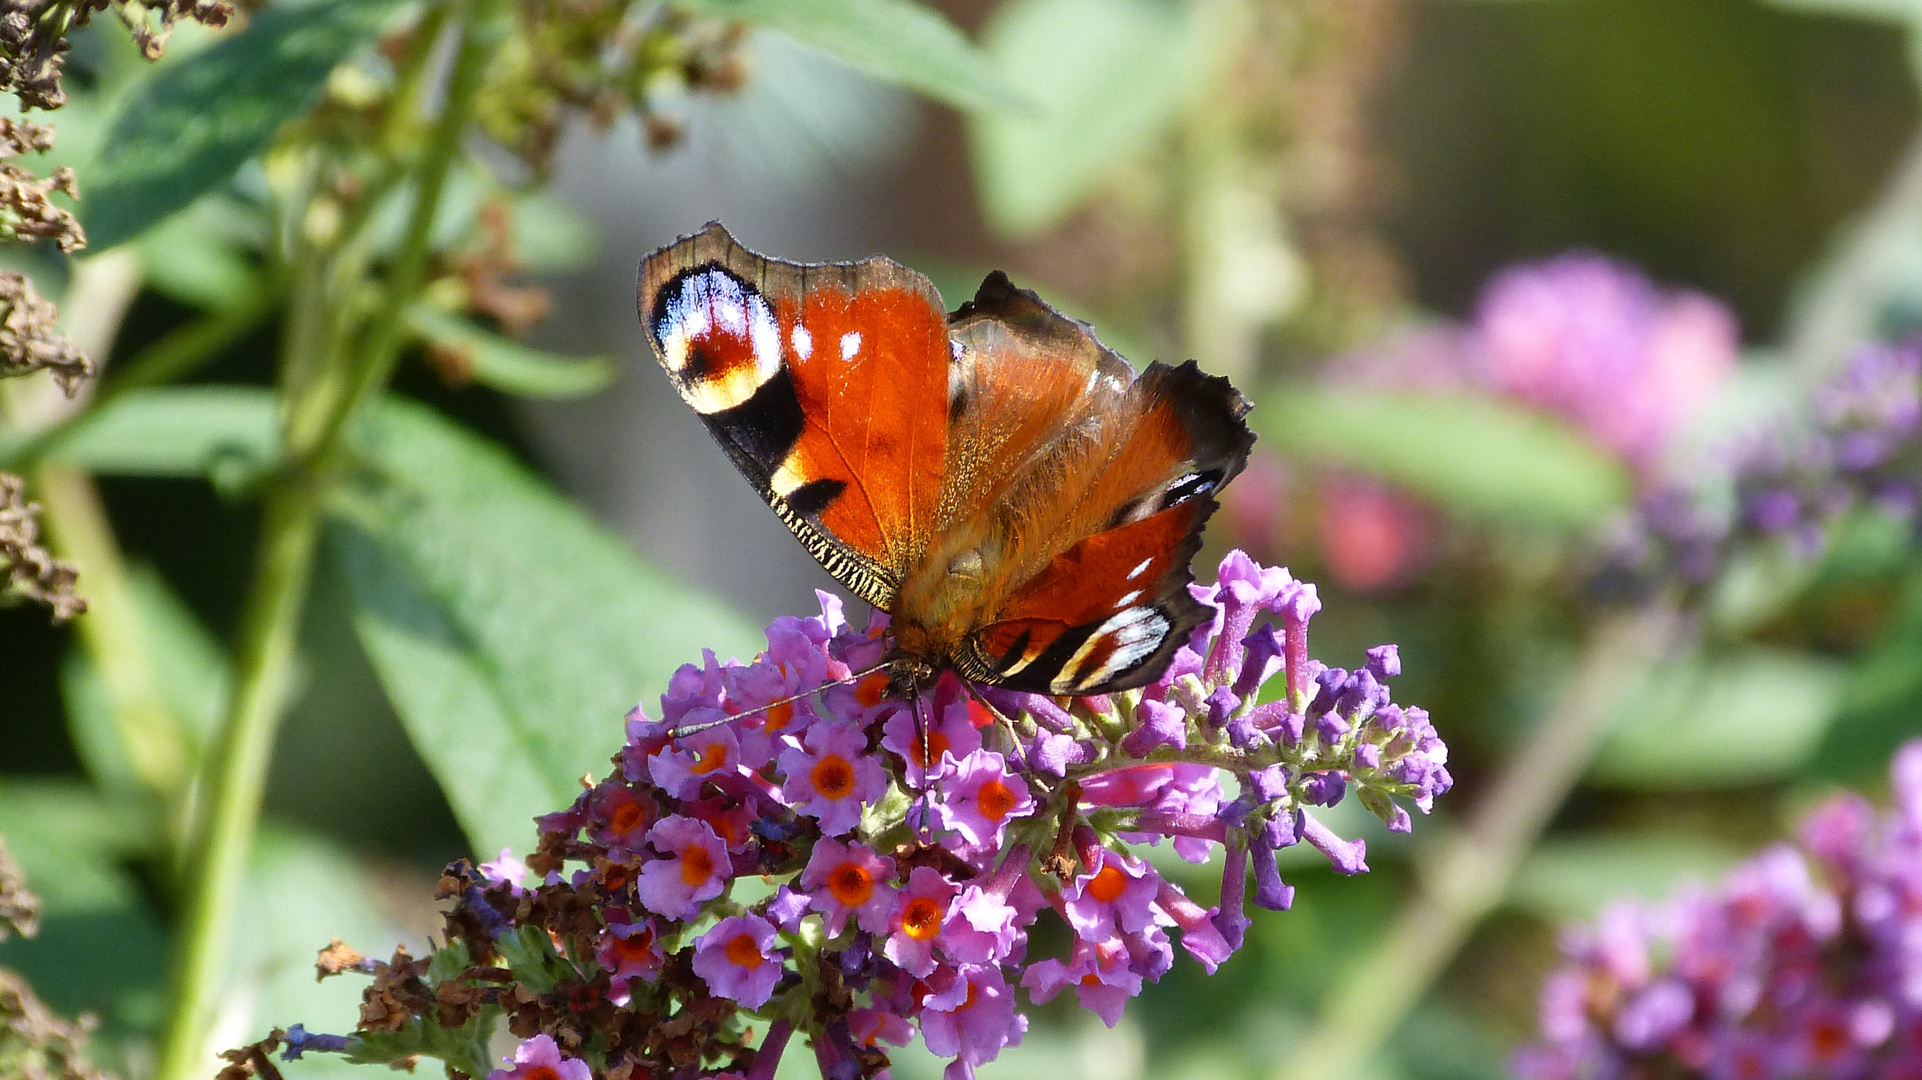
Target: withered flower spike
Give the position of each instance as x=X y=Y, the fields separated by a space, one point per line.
x=29 y=340
x=37 y=1041
x=30 y=569
x=19 y=907
x=33 y=37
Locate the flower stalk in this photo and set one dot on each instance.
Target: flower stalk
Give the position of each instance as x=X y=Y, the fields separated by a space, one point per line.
x=346 y=381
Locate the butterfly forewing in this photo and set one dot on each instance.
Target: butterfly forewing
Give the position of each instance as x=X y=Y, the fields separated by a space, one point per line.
x=816 y=379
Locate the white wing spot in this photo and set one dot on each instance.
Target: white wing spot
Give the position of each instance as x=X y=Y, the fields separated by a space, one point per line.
x=1128 y=599
x=803 y=342
x=1139 y=569
x=850 y=344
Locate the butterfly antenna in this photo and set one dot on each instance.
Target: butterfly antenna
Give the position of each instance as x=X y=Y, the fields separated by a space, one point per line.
x=1014 y=737
x=851 y=677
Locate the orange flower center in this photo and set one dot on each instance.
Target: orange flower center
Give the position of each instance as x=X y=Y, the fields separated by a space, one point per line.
x=870 y=690
x=1091 y=979
x=743 y=952
x=713 y=756
x=937 y=744
x=779 y=716
x=995 y=800
x=833 y=777
x=628 y=816
x=922 y=919
x=851 y=885
x=1830 y=1039
x=1108 y=885
x=696 y=866
x=541 y=1072
x=636 y=947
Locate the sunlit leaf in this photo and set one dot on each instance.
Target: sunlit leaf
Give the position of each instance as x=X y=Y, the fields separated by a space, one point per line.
x=507 y=365
x=188 y=661
x=101 y=947
x=187 y=129
x=302 y=891
x=1754 y=715
x=179 y=431
x=511 y=631
x=1475 y=456
x=1106 y=78
x=895 y=40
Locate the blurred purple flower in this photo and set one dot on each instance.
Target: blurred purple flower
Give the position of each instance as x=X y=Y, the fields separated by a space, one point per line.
x=1805 y=962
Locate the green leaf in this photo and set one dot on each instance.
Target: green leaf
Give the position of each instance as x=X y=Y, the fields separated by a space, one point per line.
x=101 y=948
x=1570 y=879
x=1107 y=78
x=187 y=129
x=511 y=631
x=1883 y=702
x=1891 y=10
x=1475 y=456
x=192 y=670
x=71 y=844
x=194 y=257
x=302 y=891
x=507 y=365
x=893 y=40
x=179 y=431
x=1754 y=715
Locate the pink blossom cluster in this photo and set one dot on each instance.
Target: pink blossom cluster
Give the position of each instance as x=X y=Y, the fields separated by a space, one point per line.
x=787 y=847
x=1806 y=961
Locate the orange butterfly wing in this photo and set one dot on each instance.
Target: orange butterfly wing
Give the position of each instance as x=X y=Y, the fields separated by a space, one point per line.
x=817 y=380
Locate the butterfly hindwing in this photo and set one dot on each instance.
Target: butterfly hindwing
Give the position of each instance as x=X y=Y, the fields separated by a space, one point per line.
x=825 y=383
x=1095 y=522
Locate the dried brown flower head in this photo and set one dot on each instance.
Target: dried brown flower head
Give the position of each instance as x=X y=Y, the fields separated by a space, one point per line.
x=30 y=570
x=34 y=1042
x=29 y=341
x=33 y=37
x=37 y=1043
x=27 y=210
x=19 y=908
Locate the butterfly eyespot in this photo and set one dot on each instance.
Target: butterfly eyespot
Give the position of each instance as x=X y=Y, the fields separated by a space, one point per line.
x=719 y=338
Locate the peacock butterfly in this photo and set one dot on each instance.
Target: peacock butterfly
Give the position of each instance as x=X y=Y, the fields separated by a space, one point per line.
x=1003 y=485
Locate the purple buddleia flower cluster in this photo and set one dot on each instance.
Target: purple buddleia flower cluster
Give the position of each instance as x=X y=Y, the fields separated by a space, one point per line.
x=1855 y=443
x=1805 y=962
x=785 y=846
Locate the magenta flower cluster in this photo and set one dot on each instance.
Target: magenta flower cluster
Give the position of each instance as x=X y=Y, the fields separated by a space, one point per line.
x=1806 y=961
x=787 y=846
x=1582 y=337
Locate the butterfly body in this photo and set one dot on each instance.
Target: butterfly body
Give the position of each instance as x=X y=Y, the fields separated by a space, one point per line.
x=1020 y=502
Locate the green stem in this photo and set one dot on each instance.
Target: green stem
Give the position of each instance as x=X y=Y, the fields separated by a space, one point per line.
x=1473 y=872
x=380 y=351
x=237 y=773
x=235 y=776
